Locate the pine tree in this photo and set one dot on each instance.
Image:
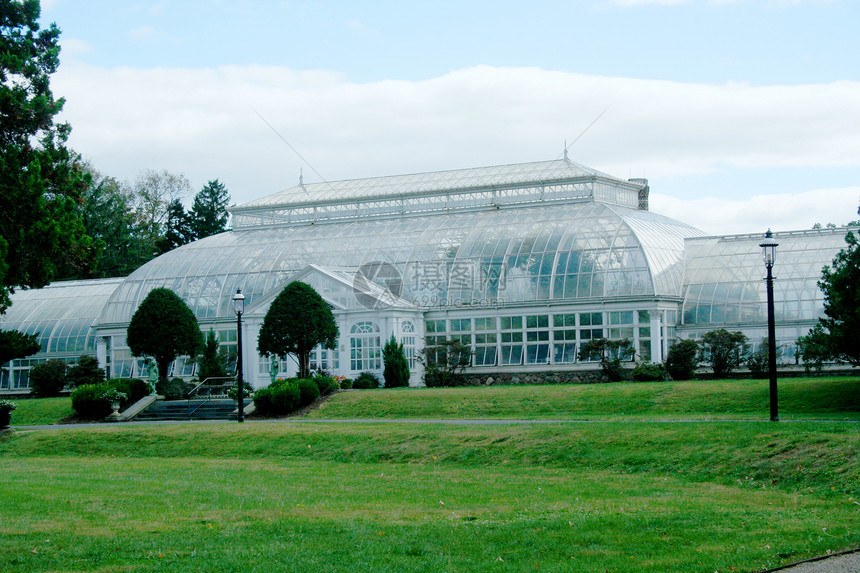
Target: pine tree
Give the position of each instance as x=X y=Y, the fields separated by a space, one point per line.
x=396 y=372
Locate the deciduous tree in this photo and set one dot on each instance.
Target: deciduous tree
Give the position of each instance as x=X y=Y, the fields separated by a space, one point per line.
x=724 y=350
x=14 y=344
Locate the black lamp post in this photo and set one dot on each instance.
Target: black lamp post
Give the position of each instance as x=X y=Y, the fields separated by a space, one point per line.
x=239 y=308
x=768 y=247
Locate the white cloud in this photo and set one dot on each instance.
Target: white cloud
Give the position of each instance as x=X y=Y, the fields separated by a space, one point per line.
x=202 y=122
x=633 y=3
x=74 y=47
x=779 y=211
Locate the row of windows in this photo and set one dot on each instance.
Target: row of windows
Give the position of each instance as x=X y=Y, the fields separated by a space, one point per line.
x=529 y=339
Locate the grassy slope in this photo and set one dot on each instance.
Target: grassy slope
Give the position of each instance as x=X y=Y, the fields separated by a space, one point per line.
x=39 y=411
x=316 y=495
x=798 y=398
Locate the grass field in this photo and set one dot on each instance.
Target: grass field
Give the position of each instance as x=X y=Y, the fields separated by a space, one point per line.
x=836 y=398
x=616 y=493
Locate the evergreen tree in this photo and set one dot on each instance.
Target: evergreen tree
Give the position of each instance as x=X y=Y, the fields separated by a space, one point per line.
x=41 y=181
x=163 y=327
x=85 y=371
x=297 y=321
x=840 y=283
x=682 y=359
x=396 y=372
x=177 y=229
x=210 y=363
x=208 y=214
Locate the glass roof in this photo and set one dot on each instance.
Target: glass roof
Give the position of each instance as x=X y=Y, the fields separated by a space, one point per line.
x=580 y=251
x=480 y=177
x=724 y=279
x=63 y=314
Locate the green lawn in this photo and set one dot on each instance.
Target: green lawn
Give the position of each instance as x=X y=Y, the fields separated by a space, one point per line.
x=643 y=483
x=38 y=411
x=311 y=496
x=836 y=398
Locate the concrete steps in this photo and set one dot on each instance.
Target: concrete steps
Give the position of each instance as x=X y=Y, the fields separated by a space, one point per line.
x=214 y=409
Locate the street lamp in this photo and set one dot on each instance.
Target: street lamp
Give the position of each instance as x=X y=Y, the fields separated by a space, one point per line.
x=768 y=248
x=239 y=308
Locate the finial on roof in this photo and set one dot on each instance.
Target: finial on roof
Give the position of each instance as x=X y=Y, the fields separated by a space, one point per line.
x=565 y=151
x=301 y=178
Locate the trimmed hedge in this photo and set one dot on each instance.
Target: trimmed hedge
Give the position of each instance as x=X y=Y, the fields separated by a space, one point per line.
x=308 y=391
x=88 y=403
x=280 y=398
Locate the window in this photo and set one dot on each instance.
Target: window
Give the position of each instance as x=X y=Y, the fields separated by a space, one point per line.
x=511 y=341
x=365 y=348
x=537 y=339
x=587 y=322
x=408 y=341
x=564 y=338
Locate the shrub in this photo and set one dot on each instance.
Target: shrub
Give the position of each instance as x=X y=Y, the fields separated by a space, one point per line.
x=682 y=359
x=326 y=384
x=345 y=383
x=308 y=391
x=445 y=362
x=88 y=403
x=724 y=350
x=247 y=391
x=611 y=354
x=279 y=399
x=132 y=387
x=173 y=389
x=439 y=378
x=366 y=381
x=85 y=371
x=48 y=379
x=650 y=373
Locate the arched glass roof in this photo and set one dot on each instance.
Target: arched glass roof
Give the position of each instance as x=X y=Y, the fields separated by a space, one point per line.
x=559 y=252
x=62 y=313
x=724 y=280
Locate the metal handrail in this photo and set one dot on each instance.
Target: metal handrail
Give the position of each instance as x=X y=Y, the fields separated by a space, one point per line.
x=194 y=390
x=208 y=397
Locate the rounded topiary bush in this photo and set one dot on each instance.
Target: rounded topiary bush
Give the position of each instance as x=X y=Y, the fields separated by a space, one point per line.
x=88 y=403
x=366 y=381
x=308 y=391
x=48 y=379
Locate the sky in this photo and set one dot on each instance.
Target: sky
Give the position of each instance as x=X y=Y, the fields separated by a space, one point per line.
x=743 y=115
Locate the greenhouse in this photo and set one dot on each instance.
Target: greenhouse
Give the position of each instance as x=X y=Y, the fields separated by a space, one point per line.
x=522 y=262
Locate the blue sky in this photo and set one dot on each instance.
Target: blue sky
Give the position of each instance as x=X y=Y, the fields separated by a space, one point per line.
x=743 y=114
